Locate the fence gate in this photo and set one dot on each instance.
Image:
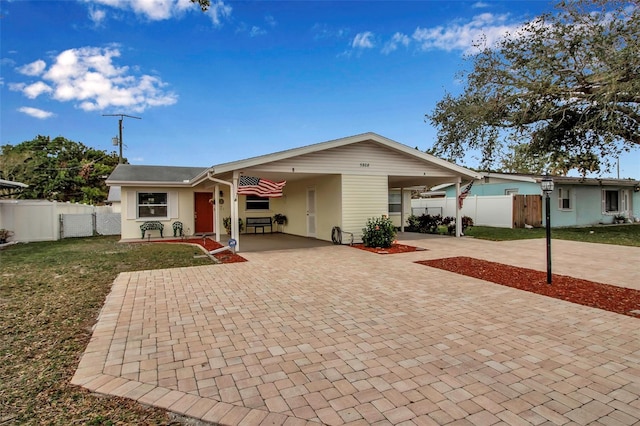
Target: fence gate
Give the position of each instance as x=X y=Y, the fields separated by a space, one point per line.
x=89 y=224
x=527 y=209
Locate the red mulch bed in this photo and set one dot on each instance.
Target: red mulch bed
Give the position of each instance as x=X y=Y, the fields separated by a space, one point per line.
x=395 y=248
x=588 y=293
x=209 y=244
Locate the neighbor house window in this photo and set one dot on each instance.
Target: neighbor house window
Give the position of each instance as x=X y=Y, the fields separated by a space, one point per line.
x=511 y=191
x=256 y=203
x=395 y=202
x=152 y=204
x=564 y=199
x=610 y=201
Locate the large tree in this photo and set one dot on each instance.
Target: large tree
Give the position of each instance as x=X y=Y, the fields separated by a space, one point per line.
x=58 y=169
x=567 y=84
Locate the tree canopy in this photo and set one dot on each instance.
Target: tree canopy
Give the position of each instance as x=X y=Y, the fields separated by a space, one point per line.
x=58 y=169
x=204 y=4
x=566 y=84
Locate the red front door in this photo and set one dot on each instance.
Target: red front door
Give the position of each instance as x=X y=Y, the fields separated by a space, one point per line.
x=203 y=213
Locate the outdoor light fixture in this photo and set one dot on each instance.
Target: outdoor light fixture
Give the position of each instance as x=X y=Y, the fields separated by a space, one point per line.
x=547 y=187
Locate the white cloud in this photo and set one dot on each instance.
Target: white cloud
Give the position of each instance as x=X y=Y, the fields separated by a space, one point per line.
x=462 y=36
x=363 y=40
x=89 y=77
x=97 y=16
x=219 y=11
x=324 y=32
x=270 y=21
x=479 y=5
x=256 y=31
x=396 y=40
x=35 y=112
x=159 y=10
x=34 y=68
x=34 y=90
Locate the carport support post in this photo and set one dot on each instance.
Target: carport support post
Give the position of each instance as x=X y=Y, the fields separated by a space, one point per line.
x=216 y=210
x=235 y=229
x=458 y=213
x=234 y=204
x=401 y=209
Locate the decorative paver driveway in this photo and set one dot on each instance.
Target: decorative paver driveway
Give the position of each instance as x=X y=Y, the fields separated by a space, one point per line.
x=336 y=335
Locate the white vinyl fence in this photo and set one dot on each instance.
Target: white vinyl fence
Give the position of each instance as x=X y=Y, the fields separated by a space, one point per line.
x=41 y=220
x=488 y=210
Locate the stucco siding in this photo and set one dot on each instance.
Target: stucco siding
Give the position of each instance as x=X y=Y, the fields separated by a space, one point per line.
x=481 y=189
x=328 y=205
x=363 y=197
x=181 y=208
x=364 y=158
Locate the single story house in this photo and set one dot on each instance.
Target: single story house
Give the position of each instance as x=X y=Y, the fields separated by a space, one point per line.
x=338 y=183
x=575 y=201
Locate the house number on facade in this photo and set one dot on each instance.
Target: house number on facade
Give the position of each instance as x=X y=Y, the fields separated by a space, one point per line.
x=364 y=164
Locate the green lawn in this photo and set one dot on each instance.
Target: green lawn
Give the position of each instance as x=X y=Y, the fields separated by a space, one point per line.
x=624 y=235
x=50 y=297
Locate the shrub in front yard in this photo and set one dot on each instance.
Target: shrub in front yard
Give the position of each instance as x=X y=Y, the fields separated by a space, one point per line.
x=378 y=232
x=436 y=224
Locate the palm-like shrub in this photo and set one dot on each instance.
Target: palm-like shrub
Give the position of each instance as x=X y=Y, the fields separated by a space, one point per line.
x=378 y=232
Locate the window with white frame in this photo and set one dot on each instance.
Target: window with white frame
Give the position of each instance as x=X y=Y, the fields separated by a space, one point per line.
x=564 y=199
x=610 y=201
x=511 y=191
x=254 y=202
x=152 y=205
x=395 y=202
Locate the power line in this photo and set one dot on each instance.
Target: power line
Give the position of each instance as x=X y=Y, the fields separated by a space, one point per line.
x=122 y=116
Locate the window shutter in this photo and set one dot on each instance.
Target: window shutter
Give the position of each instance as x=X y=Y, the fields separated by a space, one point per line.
x=173 y=200
x=131 y=205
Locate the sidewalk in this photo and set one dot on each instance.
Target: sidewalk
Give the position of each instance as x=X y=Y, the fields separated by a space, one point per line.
x=336 y=335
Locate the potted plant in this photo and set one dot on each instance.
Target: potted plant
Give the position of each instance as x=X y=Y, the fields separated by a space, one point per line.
x=280 y=219
x=226 y=222
x=4 y=235
x=619 y=218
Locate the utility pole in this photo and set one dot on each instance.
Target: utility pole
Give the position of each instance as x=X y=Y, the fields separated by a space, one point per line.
x=122 y=116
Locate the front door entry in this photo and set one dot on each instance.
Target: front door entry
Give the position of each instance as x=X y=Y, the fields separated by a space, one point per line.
x=203 y=213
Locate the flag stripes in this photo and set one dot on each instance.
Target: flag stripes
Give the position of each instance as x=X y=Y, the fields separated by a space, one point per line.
x=250 y=185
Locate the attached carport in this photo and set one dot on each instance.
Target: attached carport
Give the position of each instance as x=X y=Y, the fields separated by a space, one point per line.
x=342 y=182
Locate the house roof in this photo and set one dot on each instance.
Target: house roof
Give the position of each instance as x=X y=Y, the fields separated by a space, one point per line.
x=595 y=181
x=135 y=175
x=130 y=174
x=308 y=149
x=566 y=180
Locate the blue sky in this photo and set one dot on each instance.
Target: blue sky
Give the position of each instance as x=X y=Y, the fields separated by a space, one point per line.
x=244 y=79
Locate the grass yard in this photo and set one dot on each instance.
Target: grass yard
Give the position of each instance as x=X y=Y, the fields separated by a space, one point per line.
x=50 y=297
x=624 y=235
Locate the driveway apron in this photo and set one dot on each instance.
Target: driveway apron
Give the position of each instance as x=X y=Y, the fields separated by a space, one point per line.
x=335 y=335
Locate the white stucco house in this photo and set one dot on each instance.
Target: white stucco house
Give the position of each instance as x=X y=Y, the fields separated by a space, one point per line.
x=341 y=182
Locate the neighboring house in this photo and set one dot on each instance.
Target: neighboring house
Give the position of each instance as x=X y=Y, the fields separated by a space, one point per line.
x=114 y=200
x=9 y=188
x=341 y=183
x=575 y=201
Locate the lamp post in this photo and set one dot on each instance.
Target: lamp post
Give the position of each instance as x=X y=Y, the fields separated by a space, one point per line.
x=547 y=187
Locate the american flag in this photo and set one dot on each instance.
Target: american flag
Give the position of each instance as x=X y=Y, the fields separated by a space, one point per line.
x=464 y=194
x=249 y=185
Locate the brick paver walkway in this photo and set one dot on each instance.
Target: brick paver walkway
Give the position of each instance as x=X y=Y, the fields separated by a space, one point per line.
x=335 y=335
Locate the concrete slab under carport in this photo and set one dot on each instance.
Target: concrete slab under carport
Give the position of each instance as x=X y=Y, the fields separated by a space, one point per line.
x=336 y=335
